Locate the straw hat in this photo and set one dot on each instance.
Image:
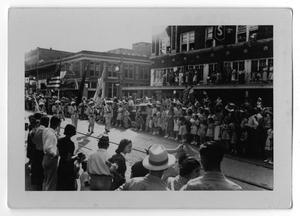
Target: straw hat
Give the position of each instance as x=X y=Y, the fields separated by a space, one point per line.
x=158 y=159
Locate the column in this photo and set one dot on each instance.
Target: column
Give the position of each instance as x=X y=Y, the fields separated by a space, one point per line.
x=205 y=73
x=247 y=71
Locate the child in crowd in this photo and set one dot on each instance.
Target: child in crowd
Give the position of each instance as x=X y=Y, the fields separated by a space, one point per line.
x=164 y=121
x=202 y=131
x=182 y=130
x=139 y=120
x=225 y=134
x=269 y=147
x=193 y=131
x=126 y=119
x=176 y=127
x=210 y=128
x=120 y=116
x=150 y=124
x=84 y=177
x=233 y=137
x=170 y=127
x=156 y=120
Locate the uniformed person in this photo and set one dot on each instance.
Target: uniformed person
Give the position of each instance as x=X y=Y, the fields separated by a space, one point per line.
x=58 y=111
x=108 y=115
x=91 y=116
x=74 y=113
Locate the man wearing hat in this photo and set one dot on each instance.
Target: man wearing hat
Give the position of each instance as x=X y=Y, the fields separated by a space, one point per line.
x=156 y=162
x=211 y=154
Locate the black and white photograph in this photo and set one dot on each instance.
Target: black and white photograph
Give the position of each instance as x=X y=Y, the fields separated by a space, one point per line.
x=120 y=100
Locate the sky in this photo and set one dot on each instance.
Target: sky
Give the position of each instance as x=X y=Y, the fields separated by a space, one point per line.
x=76 y=30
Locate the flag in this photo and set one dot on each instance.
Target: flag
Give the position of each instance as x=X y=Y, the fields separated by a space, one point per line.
x=55 y=80
x=81 y=87
x=100 y=88
x=98 y=92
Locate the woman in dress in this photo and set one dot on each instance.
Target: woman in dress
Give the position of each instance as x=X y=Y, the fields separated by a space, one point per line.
x=124 y=148
x=66 y=178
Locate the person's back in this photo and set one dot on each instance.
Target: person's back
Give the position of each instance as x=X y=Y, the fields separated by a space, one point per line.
x=211 y=154
x=148 y=182
x=156 y=162
x=212 y=181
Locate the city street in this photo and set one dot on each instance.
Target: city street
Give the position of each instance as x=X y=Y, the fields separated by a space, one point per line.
x=251 y=176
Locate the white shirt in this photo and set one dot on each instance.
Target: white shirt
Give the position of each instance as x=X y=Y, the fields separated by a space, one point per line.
x=50 y=141
x=97 y=163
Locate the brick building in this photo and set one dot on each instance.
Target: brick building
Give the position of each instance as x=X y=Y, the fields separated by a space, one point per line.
x=212 y=52
x=121 y=70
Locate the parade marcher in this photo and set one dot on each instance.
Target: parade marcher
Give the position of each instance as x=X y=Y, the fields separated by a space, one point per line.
x=50 y=158
x=156 y=162
x=211 y=154
x=124 y=148
x=99 y=168
x=66 y=177
x=74 y=114
x=37 y=172
x=91 y=115
x=58 y=111
x=108 y=113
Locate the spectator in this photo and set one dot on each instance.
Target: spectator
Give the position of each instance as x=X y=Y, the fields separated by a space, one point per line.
x=156 y=162
x=37 y=174
x=124 y=148
x=66 y=171
x=189 y=169
x=50 y=158
x=211 y=154
x=98 y=167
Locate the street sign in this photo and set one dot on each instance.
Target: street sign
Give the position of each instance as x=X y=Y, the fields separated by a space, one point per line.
x=219 y=33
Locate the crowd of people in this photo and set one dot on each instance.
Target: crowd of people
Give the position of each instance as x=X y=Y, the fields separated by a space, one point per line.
x=53 y=164
x=245 y=129
x=229 y=76
x=214 y=127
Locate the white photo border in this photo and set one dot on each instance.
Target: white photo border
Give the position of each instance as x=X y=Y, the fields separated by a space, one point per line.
x=280 y=197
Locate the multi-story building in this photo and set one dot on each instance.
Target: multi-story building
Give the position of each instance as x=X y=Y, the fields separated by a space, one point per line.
x=119 y=69
x=231 y=58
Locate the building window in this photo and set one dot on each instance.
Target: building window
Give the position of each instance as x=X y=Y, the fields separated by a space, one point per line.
x=146 y=73
x=262 y=64
x=187 y=41
x=141 y=72
x=97 y=69
x=209 y=40
x=126 y=70
x=93 y=85
x=241 y=33
x=112 y=90
x=241 y=66
x=270 y=64
x=111 y=71
x=253 y=31
x=131 y=71
x=212 y=68
x=92 y=69
x=254 y=65
x=199 y=69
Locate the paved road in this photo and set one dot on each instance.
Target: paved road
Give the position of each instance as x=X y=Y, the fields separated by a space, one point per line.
x=249 y=176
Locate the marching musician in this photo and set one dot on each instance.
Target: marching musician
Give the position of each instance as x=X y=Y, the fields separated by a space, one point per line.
x=74 y=113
